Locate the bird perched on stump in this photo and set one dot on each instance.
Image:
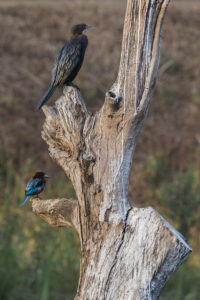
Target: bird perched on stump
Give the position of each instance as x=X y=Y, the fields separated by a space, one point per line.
x=35 y=186
x=68 y=61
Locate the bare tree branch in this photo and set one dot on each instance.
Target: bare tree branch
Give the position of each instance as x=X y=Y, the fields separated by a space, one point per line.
x=57 y=212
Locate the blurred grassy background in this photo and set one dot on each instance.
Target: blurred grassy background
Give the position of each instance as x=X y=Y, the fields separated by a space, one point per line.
x=39 y=262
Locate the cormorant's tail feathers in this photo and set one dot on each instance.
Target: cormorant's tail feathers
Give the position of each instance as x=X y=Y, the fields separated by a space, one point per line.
x=46 y=97
x=24 y=201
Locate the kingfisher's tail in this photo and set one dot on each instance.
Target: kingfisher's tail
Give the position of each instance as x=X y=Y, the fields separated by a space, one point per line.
x=24 y=201
x=46 y=96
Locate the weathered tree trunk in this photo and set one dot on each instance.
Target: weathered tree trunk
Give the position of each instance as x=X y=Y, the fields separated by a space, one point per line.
x=127 y=253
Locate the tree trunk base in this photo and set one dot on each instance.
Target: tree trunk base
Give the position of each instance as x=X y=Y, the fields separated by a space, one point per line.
x=132 y=260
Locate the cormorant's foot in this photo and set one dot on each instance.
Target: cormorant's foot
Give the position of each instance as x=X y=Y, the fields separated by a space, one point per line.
x=73 y=85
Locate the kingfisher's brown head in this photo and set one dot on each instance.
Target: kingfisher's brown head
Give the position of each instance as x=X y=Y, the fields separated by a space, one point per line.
x=41 y=175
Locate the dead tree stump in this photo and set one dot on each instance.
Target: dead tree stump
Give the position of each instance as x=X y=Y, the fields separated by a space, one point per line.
x=127 y=253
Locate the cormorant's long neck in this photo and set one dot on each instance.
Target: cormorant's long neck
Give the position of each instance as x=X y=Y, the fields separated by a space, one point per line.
x=76 y=36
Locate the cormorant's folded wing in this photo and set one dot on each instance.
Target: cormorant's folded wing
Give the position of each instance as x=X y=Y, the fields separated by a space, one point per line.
x=66 y=61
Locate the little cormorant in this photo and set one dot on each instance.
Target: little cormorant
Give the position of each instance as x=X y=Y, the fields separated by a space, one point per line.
x=68 y=61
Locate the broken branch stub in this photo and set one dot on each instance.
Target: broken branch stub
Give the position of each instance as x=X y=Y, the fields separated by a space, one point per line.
x=57 y=212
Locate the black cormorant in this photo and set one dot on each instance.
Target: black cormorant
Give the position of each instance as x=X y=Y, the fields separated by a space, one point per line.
x=68 y=61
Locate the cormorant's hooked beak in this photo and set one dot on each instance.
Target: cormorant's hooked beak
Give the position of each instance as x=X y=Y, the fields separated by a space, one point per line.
x=88 y=28
x=46 y=176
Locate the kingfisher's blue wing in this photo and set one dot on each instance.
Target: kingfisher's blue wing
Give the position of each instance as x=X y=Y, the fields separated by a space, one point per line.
x=33 y=185
x=30 y=185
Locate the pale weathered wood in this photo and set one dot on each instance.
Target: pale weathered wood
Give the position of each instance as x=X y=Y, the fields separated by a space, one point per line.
x=57 y=212
x=127 y=253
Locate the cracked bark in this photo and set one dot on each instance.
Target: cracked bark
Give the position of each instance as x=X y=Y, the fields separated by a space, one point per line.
x=127 y=253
